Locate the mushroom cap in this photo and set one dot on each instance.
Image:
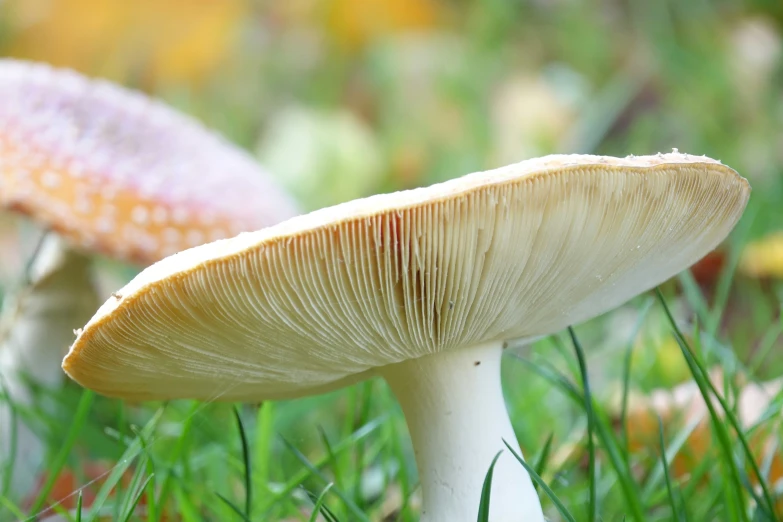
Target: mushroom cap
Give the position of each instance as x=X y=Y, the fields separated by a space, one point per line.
x=120 y=174
x=324 y=299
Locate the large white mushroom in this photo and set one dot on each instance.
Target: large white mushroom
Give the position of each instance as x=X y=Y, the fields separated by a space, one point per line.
x=421 y=288
x=105 y=170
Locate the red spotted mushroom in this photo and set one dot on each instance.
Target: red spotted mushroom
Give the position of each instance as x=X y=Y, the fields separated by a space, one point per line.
x=421 y=288
x=108 y=171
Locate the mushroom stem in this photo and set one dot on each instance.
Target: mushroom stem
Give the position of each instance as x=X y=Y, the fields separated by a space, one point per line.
x=453 y=404
x=36 y=328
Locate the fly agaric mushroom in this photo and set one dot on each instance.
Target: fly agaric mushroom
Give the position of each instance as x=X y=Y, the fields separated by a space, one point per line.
x=420 y=287
x=107 y=171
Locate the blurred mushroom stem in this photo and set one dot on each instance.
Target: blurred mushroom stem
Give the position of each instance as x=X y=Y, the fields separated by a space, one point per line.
x=453 y=404
x=36 y=329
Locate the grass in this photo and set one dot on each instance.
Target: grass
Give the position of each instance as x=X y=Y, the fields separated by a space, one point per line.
x=180 y=461
x=629 y=77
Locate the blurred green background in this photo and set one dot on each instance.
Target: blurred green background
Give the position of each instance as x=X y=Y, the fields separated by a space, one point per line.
x=341 y=99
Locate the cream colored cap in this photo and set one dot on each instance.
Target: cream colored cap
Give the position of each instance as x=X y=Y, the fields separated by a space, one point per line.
x=322 y=299
x=118 y=173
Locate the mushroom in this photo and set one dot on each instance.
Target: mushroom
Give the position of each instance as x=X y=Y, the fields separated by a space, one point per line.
x=107 y=171
x=421 y=288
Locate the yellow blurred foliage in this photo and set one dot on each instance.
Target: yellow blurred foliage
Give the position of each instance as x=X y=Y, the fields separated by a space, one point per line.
x=763 y=258
x=354 y=23
x=150 y=42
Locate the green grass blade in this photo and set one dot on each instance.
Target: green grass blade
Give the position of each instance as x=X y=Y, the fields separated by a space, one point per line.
x=728 y=411
x=701 y=377
x=177 y=453
x=147 y=462
x=79 y=501
x=588 y=402
x=319 y=503
x=352 y=507
x=627 y=364
x=233 y=507
x=319 y=507
x=13 y=508
x=543 y=485
x=365 y=401
x=263 y=447
x=134 y=487
x=79 y=420
x=8 y=465
x=657 y=474
x=136 y=497
x=133 y=450
x=543 y=457
x=185 y=507
x=486 y=490
x=248 y=468
x=332 y=458
x=605 y=434
x=306 y=473
x=664 y=461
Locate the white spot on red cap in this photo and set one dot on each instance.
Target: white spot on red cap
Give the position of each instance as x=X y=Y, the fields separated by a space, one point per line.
x=140 y=215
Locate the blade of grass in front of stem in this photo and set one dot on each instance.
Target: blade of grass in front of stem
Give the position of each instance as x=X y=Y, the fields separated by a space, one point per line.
x=352 y=507
x=588 y=402
x=543 y=485
x=486 y=490
x=79 y=420
x=246 y=459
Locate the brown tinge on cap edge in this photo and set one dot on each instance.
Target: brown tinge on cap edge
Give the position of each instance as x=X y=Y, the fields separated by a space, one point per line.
x=119 y=173
x=321 y=299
